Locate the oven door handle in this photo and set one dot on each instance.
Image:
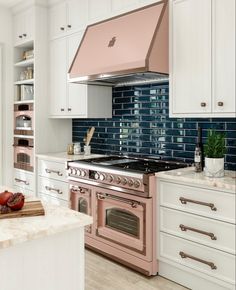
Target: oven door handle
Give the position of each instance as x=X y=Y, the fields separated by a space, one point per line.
x=133 y=204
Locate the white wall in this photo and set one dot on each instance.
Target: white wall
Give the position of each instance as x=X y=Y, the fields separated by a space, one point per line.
x=6 y=114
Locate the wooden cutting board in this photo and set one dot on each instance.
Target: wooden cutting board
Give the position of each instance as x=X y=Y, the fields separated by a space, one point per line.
x=31 y=208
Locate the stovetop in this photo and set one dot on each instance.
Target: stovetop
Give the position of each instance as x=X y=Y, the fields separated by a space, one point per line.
x=142 y=165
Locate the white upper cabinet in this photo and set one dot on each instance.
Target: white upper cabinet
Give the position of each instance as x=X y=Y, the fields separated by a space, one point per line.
x=58 y=20
x=74 y=100
x=68 y=17
x=99 y=10
x=24 y=26
x=202 y=58
x=223 y=56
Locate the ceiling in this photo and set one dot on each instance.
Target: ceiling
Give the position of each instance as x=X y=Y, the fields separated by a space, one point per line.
x=9 y=3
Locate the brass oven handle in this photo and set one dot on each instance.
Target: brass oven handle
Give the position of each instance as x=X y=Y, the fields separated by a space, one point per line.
x=54 y=171
x=184 y=200
x=79 y=189
x=53 y=189
x=133 y=204
x=185 y=228
x=210 y=264
x=22 y=181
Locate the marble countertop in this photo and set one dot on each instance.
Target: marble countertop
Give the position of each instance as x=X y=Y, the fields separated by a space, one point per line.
x=189 y=176
x=63 y=156
x=56 y=220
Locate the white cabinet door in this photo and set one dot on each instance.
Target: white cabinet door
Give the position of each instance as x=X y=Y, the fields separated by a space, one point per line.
x=190 y=55
x=98 y=10
x=58 y=20
x=123 y=5
x=24 y=26
x=58 y=76
x=77 y=94
x=223 y=64
x=77 y=15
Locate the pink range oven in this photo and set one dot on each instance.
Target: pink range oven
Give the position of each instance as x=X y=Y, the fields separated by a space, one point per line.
x=120 y=194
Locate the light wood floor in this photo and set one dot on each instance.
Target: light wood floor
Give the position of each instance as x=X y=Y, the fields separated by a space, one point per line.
x=104 y=274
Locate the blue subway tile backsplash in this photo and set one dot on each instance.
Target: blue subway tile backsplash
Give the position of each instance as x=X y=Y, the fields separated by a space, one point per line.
x=141 y=125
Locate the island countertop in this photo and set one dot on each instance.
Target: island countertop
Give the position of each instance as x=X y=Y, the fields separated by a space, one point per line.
x=56 y=220
x=189 y=176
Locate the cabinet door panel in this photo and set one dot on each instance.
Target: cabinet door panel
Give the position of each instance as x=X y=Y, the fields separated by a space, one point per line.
x=123 y=5
x=18 y=28
x=77 y=15
x=28 y=29
x=57 y=22
x=58 y=76
x=77 y=94
x=223 y=55
x=99 y=9
x=190 y=55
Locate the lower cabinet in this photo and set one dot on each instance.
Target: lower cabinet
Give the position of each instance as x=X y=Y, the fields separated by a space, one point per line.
x=52 y=184
x=24 y=182
x=196 y=235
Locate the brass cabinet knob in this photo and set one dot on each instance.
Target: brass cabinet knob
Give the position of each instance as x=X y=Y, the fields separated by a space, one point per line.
x=62 y=28
x=62 y=110
x=203 y=104
x=220 y=104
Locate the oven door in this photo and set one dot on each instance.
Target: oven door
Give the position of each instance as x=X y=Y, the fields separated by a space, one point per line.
x=80 y=198
x=121 y=221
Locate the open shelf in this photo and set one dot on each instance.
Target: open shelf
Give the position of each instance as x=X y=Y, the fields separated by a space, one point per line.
x=24 y=63
x=24 y=82
x=23 y=102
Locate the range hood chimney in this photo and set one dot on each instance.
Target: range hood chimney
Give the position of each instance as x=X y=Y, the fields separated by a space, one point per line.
x=131 y=48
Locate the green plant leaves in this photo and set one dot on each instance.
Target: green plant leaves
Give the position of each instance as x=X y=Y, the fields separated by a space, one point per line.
x=215 y=145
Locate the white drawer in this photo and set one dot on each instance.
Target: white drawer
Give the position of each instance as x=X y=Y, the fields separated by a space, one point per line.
x=52 y=169
x=24 y=191
x=54 y=188
x=211 y=203
x=53 y=200
x=221 y=235
x=23 y=179
x=171 y=247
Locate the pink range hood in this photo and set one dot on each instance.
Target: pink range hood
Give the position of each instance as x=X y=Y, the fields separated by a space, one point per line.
x=131 y=48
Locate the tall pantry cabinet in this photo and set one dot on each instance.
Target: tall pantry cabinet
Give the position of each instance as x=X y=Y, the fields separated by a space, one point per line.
x=33 y=131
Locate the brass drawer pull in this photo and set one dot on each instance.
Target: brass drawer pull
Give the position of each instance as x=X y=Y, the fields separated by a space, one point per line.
x=54 y=171
x=220 y=104
x=53 y=189
x=22 y=181
x=79 y=189
x=185 y=228
x=210 y=264
x=184 y=200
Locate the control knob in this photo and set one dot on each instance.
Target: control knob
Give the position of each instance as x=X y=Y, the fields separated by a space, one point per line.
x=96 y=176
x=110 y=178
x=83 y=173
x=102 y=177
x=78 y=172
x=131 y=182
x=124 y=181
x=118 y=180
x=137 y=184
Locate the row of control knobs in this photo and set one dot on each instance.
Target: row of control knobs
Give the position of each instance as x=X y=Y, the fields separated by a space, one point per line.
x=110 y=178
x=118 y=180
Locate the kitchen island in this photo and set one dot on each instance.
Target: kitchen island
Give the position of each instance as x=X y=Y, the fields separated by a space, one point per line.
x=44 y=252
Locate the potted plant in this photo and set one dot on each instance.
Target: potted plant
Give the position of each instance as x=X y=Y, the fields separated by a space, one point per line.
x=214 y=151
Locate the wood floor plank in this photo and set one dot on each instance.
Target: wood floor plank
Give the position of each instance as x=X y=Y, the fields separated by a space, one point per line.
x=104 y=274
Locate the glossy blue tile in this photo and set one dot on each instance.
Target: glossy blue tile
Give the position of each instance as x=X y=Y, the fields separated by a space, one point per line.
x=141 y=125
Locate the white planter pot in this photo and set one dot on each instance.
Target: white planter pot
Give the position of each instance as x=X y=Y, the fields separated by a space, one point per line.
x=214 y=167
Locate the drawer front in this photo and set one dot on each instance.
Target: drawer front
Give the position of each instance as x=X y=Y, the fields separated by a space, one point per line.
x=53 y=200
x=24 y=191
x=217 y=264
x=52 y=169
x=53 y=188
x=210 y=203
x=203 y=230
x=23 y=179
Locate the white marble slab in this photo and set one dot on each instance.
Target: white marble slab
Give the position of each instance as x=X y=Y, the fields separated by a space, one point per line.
x=63 y=156
x=56 y=220
x=189 y=176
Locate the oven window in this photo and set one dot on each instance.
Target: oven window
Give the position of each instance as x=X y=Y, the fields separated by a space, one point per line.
x=23 y=158
x=83 y=205
x=123 y=221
